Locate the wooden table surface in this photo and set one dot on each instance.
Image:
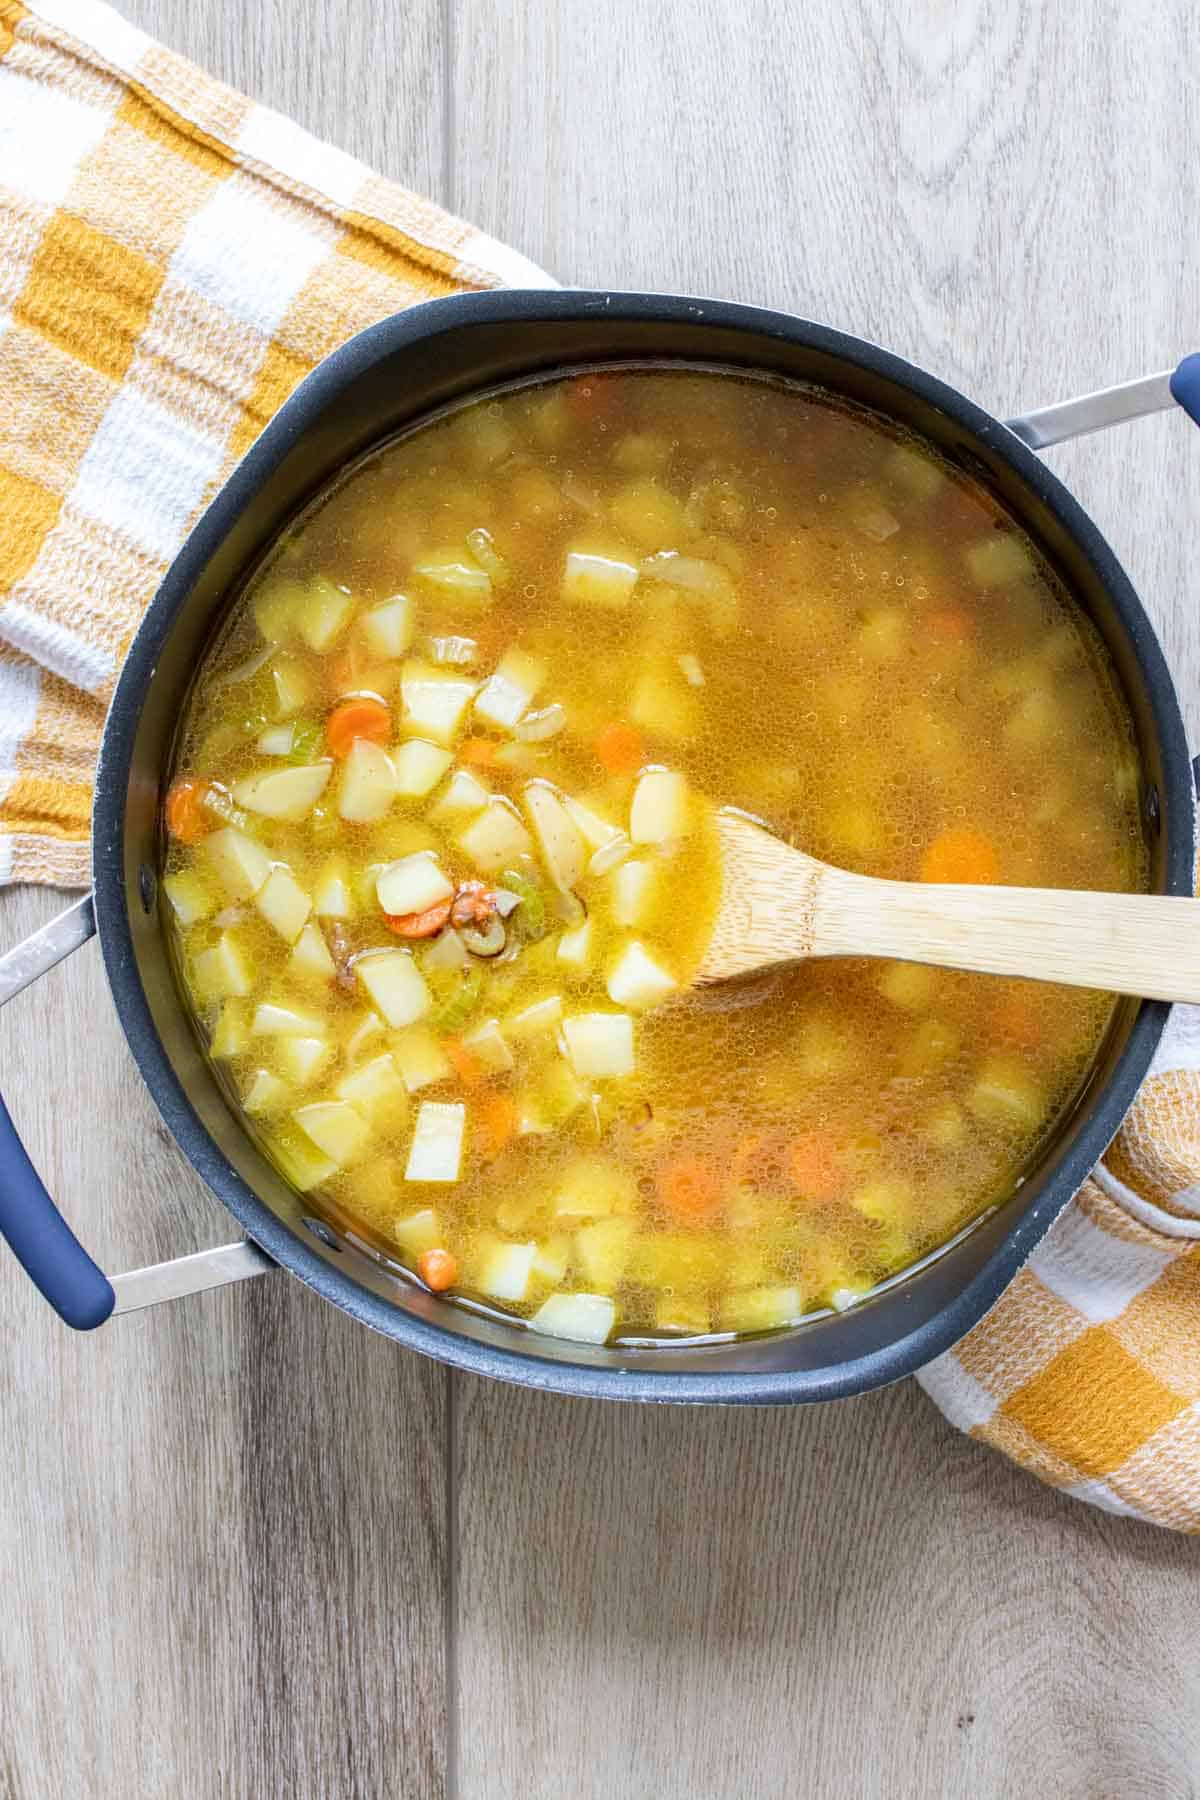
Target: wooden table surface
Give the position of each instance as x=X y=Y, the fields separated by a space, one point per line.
x=248 y=1549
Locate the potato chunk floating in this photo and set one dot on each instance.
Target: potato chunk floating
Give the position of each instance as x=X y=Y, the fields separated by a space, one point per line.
x=440 y=859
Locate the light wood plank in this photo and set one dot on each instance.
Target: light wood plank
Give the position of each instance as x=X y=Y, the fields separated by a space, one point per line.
x=854 y=1599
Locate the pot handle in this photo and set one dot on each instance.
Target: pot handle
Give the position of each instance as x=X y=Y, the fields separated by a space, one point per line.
x=1112 y=406
x=38 y=1235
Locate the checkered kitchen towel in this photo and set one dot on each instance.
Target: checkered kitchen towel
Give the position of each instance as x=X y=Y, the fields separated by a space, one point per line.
x=173 y=259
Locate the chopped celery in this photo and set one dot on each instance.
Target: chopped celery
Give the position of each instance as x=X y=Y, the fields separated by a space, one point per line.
x=454 y=1012
x=529 y=920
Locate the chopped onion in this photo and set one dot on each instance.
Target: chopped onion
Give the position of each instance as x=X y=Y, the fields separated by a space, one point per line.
x=546 y=723
x=485 y=940
x=690 y=572
x=506 y=902
x=609 y=855
x=243 y=671
x=480 y=544
x=457 y=651
x=579 y=496
x=569 y=908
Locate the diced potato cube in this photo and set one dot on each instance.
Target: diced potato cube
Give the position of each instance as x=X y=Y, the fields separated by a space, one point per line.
x=998 y=559
x=600 y=1045
x=394 y=985
x=663 y=705
x=324 y=615
x=224 y=972
x=302 y=1059
x=232 y=1034
x=340 y=1131
x=884 y=1202
x=239 y=864
x=368 y=784
x=489 y=1046
x=304 y=1165
x=411 y=885
x=190 y=899
x=274 y=606
x=593 y=579
x=505 y=696
x=636 y=980
x=276 y=1018
x=602 y=1251
x=276 y=740
x=388 y=629
x=1006 y=1094
x=558 y=837
x=560 y=1093
x=1035 y=721
x=911 y=986
x=539 y=1019
x=377 y=1091
x=419 y=767
x=580 y=1318
x=494 y=836
x=762 y=1309
x=593 y=1188
x=284 y=793
x=418 y=1232
x=915 y=470
x=931 y=1046
x=553 y=1254
x=855 y=829
x=633 y=886
x=462 y=795
x=648 y=514
x=420 y=1058
x=434 y=701
x=455 y=573
x=264 y=1093
x=436 y=1150
x=611 y=855
x=445 y=951
x=333 y=898
x=594 y=830
x=575 y=948
x=283 y=903
x=945 y=1127
x=505 y=1270
x=659 y=811
x=883 y=634
x=682 y=1317
x=292 y=686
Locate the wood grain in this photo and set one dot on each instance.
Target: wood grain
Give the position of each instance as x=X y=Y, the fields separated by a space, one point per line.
x=229 y=1547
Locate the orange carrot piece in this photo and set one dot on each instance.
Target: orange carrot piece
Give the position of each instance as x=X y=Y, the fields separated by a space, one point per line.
x=688 y=1190
x=184 y=812
x=438 y=1269
x=420 y=924
x=362 y=717
x=813 y=1165
x=479 y=751
x=466 y=1066
x=966 y=856
x=620 y=748
x=950 y=625
x=497 y=1117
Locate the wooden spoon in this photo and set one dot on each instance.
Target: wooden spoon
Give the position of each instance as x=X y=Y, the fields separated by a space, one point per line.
x=779 y=905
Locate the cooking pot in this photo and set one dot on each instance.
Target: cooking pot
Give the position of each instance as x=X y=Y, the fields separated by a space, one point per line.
x=383 y=380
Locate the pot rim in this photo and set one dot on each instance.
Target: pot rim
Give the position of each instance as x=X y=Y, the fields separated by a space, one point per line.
x=539 y=307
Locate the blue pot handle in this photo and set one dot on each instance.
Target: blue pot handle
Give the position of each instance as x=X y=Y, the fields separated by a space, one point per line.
x=36 y=1232
x=1185 y=386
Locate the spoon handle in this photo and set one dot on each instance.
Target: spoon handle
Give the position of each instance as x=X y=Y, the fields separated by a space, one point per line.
x=1146 y=944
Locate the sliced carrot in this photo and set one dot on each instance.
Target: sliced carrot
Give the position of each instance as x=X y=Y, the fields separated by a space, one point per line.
x=183 y=809
x=465 y=1066
x=620 y=748
x=961 y=856
x=421 y=924
x=688 y=1190
x=362 y=717
x=497 y=1117
x=438 y=1269
x=813 y=1165
x=479 y=751
x=950 y=624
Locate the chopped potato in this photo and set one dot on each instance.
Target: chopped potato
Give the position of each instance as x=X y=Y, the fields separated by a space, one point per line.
x=264 y=1093
x=490 y=1048
x=388 y=629
x=324 y=615
x=418 y=767
x=225 y=971
x=558 y=837
x=191 y=899
x=581 y=1318
x=420 y=1058
x=338 y=1130
x=232 y=1034
x=505 y=1270
x=593 y=579
x=463 y=795
x=419 y=1231
x=302 y=1059
x=494 y=836
x=636 y=980
x=659 y=813
x=600 y=1045
x=310 y=959
x=437 y=1144
x=284 y=793
x=368 y=784
x=412 y=884
x=506 y=696
x=283 y=903
x=377 y=1090
x=240 y=865
x=435 y=701
x=394 y=986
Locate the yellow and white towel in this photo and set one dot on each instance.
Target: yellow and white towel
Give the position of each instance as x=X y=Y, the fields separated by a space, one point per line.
x=173 y=259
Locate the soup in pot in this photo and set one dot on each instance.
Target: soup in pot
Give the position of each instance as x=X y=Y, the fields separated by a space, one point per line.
x=440 y=857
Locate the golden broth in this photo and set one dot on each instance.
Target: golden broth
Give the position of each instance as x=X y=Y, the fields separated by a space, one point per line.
x=764 y=598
